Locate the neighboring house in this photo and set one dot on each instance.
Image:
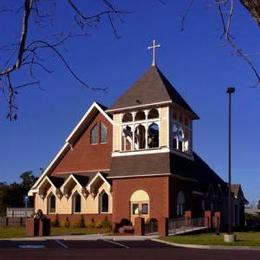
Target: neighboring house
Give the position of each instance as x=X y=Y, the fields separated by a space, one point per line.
x=239 y=203
x=134 y=159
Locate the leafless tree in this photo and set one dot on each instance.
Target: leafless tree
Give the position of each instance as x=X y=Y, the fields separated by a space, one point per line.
x=28 y=54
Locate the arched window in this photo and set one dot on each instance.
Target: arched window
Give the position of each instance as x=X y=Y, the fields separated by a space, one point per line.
x=153 y=136
x=94 y=134
x=103 y=199
x=103 y=135
x=51 y=203
x=140 y=203
x=76 y=203
x=127 y=118
x=127 y=138
x=180 y=204
x=140 y=137
x=153 y=113
x=140 y=115
x=178 y=138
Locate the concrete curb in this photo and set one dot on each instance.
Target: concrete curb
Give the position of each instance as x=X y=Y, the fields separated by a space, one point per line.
x=93 y=237
x=207 y=247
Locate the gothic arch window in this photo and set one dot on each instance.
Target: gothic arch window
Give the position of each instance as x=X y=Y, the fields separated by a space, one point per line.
x=104 y=202
x=103 y=133
x=127 y=138
x=94 y=135
x=140 y=115
x=181 y=132
x=51 y=203
x=180 y=203
x=140 y=137
x=127 y=118
x=153 y=113
x=153 y=136
x=179 y=141
x=76 y=203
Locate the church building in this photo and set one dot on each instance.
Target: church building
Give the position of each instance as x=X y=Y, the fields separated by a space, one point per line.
x=132 y=159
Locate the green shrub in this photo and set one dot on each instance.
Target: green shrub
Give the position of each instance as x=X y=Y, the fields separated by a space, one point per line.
x=91 y=224
x=98 y=224
x=82 y=222
x=65 y=223
x=106 y=224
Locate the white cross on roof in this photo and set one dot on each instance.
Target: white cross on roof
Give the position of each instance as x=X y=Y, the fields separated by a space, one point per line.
x=153 y=47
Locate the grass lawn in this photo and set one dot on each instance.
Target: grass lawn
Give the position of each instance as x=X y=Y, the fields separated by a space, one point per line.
x=243 y=239
x=15 y=232
x=10 y=232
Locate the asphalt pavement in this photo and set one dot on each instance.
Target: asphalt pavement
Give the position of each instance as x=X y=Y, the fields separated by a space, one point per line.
x=112 y=249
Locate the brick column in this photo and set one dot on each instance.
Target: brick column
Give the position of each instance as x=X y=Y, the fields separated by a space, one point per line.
x=139 y=226
x=32 y=227
x=163 y=227
x=188 y=216
x=208 y=219
x=217 y=219
x=44 y=227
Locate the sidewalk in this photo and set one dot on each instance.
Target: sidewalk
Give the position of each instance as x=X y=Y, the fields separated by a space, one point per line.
x=92 y=237
x=207 y=246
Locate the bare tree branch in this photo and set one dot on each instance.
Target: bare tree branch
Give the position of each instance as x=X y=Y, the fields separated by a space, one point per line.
x=226 y=24
x=28 y=55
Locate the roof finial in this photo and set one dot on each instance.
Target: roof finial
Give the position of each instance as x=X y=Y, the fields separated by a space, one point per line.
x=154 y=46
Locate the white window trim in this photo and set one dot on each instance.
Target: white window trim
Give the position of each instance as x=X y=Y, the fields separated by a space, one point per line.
x=73 y=204
x=100 y=202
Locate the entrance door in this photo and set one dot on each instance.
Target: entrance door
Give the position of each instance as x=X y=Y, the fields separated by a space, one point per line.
x=139 y=205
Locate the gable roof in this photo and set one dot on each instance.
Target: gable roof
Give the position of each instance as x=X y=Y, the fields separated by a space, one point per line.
x=237 y=191
x=152 y=88
x=69 y=141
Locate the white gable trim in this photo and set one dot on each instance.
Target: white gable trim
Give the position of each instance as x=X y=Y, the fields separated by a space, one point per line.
x=50 y=182
x=67 y=146
x=67 y=180
x=44 y=174
x=94 y=105
x=95 y=177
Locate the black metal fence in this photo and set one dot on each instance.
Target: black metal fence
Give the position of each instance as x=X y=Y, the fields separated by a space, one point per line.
x=182 y=225
x=151 y=228
x=13 y=222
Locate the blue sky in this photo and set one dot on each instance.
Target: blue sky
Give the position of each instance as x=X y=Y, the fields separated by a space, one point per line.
x=196 y=61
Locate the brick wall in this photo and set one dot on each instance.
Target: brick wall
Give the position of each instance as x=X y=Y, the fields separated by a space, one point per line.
x=85 y=156
x=156 y=187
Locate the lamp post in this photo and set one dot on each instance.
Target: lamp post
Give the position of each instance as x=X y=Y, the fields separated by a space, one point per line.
x=230 y=236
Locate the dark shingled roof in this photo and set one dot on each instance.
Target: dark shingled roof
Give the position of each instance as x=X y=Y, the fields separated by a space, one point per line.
x=83 y=180
x=163 y=163
x=57 y=181
x=152 y=87
x=140 y=164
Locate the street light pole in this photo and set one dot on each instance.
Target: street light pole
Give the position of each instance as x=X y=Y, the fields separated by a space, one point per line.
x=229 y=91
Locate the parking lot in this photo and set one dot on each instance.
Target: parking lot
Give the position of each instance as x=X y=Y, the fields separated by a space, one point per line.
x=75 y=244
x=111 y=249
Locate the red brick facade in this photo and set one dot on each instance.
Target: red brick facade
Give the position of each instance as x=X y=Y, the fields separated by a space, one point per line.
x=156 y=187
x=75 y=218
x=85 y=156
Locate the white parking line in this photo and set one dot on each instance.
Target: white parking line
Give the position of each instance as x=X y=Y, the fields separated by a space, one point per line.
x=31 y=246
x=60 y=243
x=115 y=243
